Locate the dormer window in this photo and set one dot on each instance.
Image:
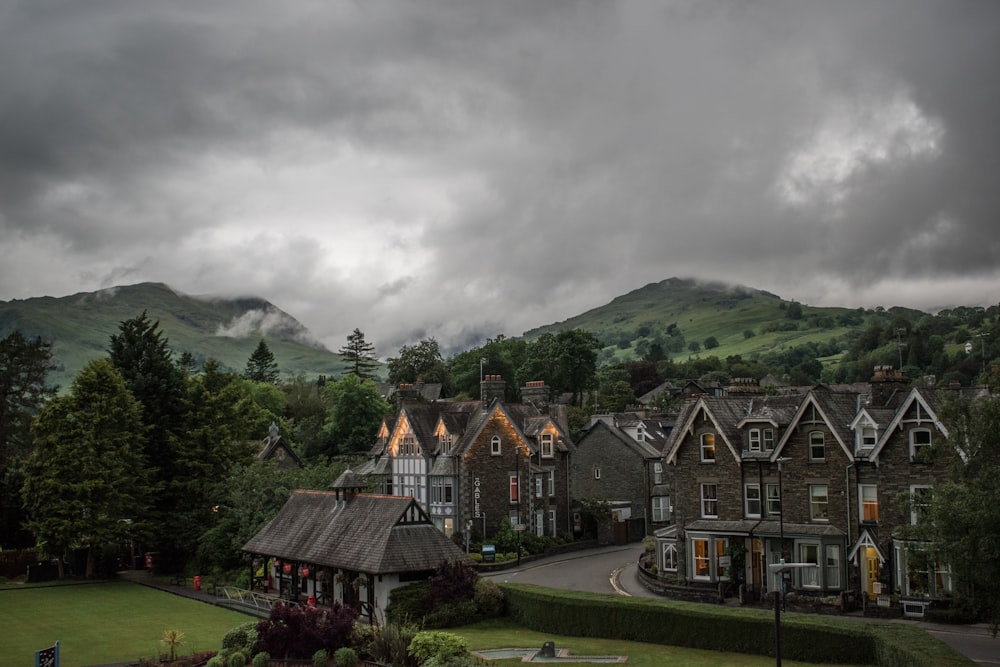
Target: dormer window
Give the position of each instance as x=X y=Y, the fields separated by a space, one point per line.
x=408 y=446
x=868 y=436
x=708 y=448
x=768 y=438
x=445 y=441
x=547 y=446
x=754 y=440
x=495 y=446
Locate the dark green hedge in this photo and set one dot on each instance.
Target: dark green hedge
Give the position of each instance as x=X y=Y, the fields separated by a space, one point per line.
x=805 y=637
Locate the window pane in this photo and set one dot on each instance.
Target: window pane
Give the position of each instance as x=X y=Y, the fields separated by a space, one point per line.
x=818 y=502
x=700 y=548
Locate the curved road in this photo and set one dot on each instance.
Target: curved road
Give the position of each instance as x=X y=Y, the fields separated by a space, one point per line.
x=613 y=570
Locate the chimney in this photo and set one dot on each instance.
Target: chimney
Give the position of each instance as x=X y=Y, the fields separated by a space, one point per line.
x=535 y=393
x=744 y=387
x=492 y=387
x=405 y=392
x=885 y=382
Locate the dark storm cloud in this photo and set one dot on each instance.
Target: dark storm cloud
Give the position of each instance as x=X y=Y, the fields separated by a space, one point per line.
x=457 y=168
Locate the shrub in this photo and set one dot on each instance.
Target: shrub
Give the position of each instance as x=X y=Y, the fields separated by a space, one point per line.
x=237 y=659
x=260 y=660
x=391 y=644
x=450 y=615
x=489 y=599
x=321 y=658
x=455 y=661
x=242 y=637
x=435 y=644
x=406 y=602
x=362 y=636
x=453 y=581
x=216 y=661
x=345 y=657
x=298 y=632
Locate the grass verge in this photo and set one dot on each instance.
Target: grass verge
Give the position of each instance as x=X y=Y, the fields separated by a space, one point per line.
x=104 y=623
x=505 y=634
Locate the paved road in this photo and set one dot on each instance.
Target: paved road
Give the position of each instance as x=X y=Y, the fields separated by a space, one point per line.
x=613 y=570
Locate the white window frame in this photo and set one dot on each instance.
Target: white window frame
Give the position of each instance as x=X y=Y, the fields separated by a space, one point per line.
x=706 y=559
x=832 y=560
x=817 y=441
x=754 y=440
x=495 y=448
x=445 y=441
x=597 y=472
x=916 y=448
x=670 y=557
x=749 y=499
x=552 y=523
x=707 y=448
x=810 y=577
x=661 y=508
x=867 y=436
x=819 y=503
x=773 y=499
x=768 y=439
x=552 y=483
x=547 y=446
x=657 y=472
x=867 y=499
x=538 y=486
x=709 y=503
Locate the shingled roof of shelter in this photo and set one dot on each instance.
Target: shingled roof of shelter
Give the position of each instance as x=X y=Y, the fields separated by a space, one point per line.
x=369 y=533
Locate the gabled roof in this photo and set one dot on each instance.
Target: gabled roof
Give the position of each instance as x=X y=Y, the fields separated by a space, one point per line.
x=642 y=449
x=724 y=415
x=272 y=444
x=923 y=401
x=837 y=409
x=368 y=533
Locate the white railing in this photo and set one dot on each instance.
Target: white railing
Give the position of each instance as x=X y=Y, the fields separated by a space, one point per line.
x=242 y=596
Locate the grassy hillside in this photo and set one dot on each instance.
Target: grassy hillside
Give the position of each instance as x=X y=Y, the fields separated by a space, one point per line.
x=80 y=327
x=742 y=321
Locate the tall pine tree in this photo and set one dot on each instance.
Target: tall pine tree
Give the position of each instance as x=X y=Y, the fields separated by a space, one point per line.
x=261 y=366
x=360 y=354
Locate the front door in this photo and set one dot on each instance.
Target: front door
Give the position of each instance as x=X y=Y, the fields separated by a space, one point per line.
x=757 y=565
x=871 y=571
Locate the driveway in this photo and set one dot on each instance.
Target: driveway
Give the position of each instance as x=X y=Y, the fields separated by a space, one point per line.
x=613 y=569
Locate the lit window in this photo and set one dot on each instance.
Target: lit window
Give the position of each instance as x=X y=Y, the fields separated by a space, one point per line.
x=661 y=508
x=495 y=445
x=700 y=550
x=514 y=487
x=920 y=444
x=751 y=500
x=818 y=501
x=547 y=446
x=817 y=446
x=708 y=448
x=869 y=502
x=709 y=501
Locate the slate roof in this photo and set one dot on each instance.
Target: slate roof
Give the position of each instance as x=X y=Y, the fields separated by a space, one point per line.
x=369 y=533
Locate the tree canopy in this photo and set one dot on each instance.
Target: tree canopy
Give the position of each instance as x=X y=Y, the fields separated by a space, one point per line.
x=261 y=366
x=86 y=484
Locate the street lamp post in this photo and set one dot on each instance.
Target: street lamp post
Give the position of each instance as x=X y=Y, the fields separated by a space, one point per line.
x=781 y=563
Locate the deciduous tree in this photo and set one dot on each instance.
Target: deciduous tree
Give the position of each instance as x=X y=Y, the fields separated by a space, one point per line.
x=357 y=412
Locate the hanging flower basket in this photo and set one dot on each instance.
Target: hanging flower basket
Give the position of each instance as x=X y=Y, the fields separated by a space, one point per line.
x=304 y=571
x=287 y=568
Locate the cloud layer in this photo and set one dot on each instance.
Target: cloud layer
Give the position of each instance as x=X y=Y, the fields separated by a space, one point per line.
x=459 y=170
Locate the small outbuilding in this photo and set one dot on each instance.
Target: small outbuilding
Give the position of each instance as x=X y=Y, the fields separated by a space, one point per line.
x=341 y=545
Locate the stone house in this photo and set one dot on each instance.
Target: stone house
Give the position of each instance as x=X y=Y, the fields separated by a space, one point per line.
x=827 y=477
x=275 y=448
x=619 y=459
x=470 y=464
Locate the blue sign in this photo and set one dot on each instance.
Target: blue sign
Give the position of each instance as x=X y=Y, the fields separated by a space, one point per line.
x=47 y=657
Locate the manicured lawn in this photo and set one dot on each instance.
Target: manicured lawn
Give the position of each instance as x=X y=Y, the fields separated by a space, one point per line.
x=104 y=623
x=502 y=634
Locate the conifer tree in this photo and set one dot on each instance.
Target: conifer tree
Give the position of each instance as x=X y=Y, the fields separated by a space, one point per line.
x=261 y=366
x=359 y=353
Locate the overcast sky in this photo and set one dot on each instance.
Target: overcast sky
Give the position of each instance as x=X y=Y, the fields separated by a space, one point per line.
x=461 y=169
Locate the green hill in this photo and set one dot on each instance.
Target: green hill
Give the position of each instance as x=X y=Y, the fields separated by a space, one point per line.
x=80 y=327
x=732 y=320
